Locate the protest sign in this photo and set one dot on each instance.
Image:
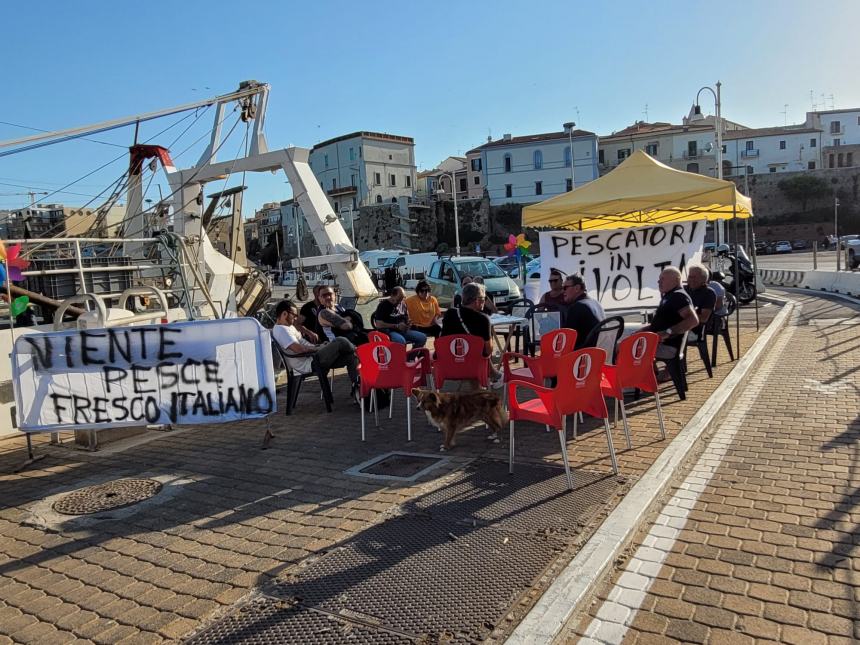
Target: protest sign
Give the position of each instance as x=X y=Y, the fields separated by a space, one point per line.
x=621 y=266
x=208 y=371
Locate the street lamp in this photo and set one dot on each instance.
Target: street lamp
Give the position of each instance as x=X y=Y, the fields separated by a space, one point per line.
x=718 y=127
x=569 y=127
x=456 y=219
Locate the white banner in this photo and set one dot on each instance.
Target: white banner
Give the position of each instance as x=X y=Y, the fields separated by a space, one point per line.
x=208 y=371
x=621 y=266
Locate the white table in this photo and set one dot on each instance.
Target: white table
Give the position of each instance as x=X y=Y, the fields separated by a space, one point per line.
x=503 y=320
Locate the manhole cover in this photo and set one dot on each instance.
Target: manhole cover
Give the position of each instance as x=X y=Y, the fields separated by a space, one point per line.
x=106 y=497
x=404 y=466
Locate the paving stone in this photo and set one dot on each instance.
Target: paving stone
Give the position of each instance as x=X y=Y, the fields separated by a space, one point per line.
x=687 y=631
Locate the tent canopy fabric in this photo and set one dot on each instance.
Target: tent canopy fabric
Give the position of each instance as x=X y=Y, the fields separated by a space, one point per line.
x=641 y=191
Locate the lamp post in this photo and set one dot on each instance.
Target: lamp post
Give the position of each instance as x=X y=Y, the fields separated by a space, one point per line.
x=718 y=127
x=836 y=233
x=456 y=219
x=569 y=126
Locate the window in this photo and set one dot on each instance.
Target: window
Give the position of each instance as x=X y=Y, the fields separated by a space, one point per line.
x=353 y=203
x=448 y=273
x=568 y=184
x=692 y=167
x=837 y=143
x=326 y=161
x=538 y=188
x=812 y=143
x=568 y=158
x=336 y=207
x=538 y=159
x=435 y=270
x=463 y=185
x=772 y=169
x=377 y=179
x=477 y=180
x=831 y=160
x=379 y=199
x=839 y=160
x=858 y=120
x=334 y=183
x=835 y=127
x=651 y=149
x=359 y=152
x=810 y=165
x=352 y=154
x=724 y=148
x=782 y=145
x=508 y=164
x=849 y=158
x=352 y=179
x=750 y=170
x=408 y=179
x=600 y=156
x=750 y=145
x=509 y=190
x=476 y=165
x=692 y=149
x=623 y=153
x=392 y=180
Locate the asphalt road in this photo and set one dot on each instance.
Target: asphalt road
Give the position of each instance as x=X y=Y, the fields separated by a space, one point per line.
x=798 y=261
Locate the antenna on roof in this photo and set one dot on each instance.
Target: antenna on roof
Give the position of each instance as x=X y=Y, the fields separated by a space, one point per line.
x=785 y=114
x=646 y=113
x=578 y=120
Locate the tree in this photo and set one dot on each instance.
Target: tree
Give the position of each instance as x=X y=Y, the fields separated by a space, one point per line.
x=802 y=188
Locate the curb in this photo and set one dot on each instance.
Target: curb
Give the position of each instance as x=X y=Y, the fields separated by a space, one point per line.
x=574 y=586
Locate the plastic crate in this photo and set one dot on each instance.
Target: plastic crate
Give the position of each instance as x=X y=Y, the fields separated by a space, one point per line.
x=64 y=285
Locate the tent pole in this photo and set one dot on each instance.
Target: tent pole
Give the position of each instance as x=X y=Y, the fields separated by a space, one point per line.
x=737 y=284
x=755 y=274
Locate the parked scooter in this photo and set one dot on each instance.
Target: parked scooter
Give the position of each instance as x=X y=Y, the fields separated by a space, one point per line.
x=746 y=291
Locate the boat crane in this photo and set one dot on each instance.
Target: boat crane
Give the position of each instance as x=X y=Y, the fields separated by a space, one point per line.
x=187 y=198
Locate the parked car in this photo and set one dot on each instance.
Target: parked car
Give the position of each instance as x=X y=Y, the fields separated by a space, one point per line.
x=799 y=245
x=783 y=246
x=506 y=263
x=445 y=276
x=761 y=248
x=532 y=269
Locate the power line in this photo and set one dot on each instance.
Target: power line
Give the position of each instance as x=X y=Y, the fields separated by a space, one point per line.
x=28 y=127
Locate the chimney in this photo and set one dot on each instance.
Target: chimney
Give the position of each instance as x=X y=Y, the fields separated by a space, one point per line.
x=506 y=137
x=489 y=139
x=568 y=126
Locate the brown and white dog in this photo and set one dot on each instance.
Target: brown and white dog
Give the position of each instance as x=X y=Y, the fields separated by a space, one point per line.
x=451 y=412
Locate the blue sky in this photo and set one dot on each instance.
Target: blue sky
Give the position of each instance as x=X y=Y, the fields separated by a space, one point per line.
x=446 y=73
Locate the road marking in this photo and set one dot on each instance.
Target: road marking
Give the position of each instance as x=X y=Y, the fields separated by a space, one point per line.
x=618 y=611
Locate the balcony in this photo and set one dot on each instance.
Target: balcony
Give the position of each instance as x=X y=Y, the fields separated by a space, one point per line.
x=835 y=132
x=692 y=155
x=749 y=153
x=343 y=190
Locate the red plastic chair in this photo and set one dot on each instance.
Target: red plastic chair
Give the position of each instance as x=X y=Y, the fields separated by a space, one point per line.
x=460 y=357
x=634 y=368
x=384 y=366
x=378 y=337
x=578 y=390
x=536 y=370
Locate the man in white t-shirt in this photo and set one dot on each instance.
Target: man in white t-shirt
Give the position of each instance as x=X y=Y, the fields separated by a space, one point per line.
x=337 y=353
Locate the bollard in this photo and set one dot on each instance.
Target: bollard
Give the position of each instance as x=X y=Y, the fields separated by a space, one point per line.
x=815 y=256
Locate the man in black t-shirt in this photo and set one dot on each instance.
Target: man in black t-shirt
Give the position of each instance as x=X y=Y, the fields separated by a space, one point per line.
x=391 y=318
x=583 y=313
x=674 y=315
x=308 y=324
x=469 y=318
x=704 y=298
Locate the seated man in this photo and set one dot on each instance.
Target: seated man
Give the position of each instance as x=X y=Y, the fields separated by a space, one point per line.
x=335 y=321
x=470 y=319
x=674 y=315
x=307 y=322
x=390 y=318
x=702 y=296
x=555 y=297
x=716 y=284
x=337 y=353
x=583 y=313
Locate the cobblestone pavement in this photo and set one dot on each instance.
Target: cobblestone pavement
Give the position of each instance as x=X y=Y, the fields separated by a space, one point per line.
x=231 y=517
x=759 y=543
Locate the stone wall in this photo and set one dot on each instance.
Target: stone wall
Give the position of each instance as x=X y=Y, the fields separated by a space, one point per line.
x=778 y=217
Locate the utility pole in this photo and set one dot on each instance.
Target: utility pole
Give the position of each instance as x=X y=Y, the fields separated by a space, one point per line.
x=836 y=233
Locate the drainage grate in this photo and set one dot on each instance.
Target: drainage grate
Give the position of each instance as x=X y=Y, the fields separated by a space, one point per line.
x=534 y=500
x=107 y=497
x=400 y=466
x=422 y=576
x=271 y=621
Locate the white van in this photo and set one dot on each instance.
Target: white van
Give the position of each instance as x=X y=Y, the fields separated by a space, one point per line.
x=377 y=259
x=414 y=265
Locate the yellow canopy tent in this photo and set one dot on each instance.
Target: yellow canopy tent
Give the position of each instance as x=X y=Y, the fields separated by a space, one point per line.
x=641 y=191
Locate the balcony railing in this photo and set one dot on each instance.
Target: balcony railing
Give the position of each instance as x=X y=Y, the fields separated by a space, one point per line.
x=692 y=155
x=342 y=190
x=749 y=153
